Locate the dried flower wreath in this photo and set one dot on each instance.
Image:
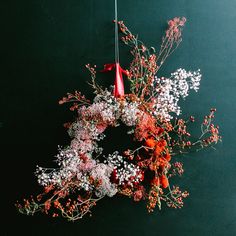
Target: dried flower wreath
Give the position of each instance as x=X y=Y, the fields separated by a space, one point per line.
x=151 y=111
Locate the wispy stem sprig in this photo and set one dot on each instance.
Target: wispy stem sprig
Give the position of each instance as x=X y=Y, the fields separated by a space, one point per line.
x=59 y=203
x=77 y=99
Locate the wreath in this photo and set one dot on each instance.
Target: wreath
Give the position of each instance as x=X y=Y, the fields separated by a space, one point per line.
x=150 y=111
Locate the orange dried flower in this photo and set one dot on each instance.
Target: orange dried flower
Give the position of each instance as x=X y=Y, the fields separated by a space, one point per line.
x=155 y=181
x=167 y=156
x=162 y=143
x=138 y=195
x=153 y=166
x=164 y=181
x=150 y=142
x=47 y=205
x=162 y=162
x=158 y=151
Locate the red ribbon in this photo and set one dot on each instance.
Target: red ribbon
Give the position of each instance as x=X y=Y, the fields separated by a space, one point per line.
x=119 y=83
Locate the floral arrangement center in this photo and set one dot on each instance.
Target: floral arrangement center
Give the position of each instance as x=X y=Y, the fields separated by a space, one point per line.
x=151 y=112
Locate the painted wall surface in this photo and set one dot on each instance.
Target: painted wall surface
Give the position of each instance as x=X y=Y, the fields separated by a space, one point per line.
x=44 y=47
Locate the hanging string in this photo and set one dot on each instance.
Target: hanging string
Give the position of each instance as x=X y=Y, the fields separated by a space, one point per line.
x=117 y=59
x=119 y=84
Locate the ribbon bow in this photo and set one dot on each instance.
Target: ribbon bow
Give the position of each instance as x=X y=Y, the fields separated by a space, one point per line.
x=119 y=83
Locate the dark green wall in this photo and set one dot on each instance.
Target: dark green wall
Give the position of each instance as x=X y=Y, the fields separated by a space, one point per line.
x=43 y=48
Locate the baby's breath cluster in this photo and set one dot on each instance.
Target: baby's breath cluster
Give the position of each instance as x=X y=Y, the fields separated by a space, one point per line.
x=168 y=92
x=125 y=173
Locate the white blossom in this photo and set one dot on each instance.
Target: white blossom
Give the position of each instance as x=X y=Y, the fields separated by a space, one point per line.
x=129 y=113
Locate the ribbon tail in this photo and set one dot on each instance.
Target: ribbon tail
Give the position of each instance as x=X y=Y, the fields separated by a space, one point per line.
x=125 y=72
x=119 y=83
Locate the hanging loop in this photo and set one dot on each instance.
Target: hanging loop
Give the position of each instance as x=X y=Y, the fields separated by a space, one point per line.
x=117 y=59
